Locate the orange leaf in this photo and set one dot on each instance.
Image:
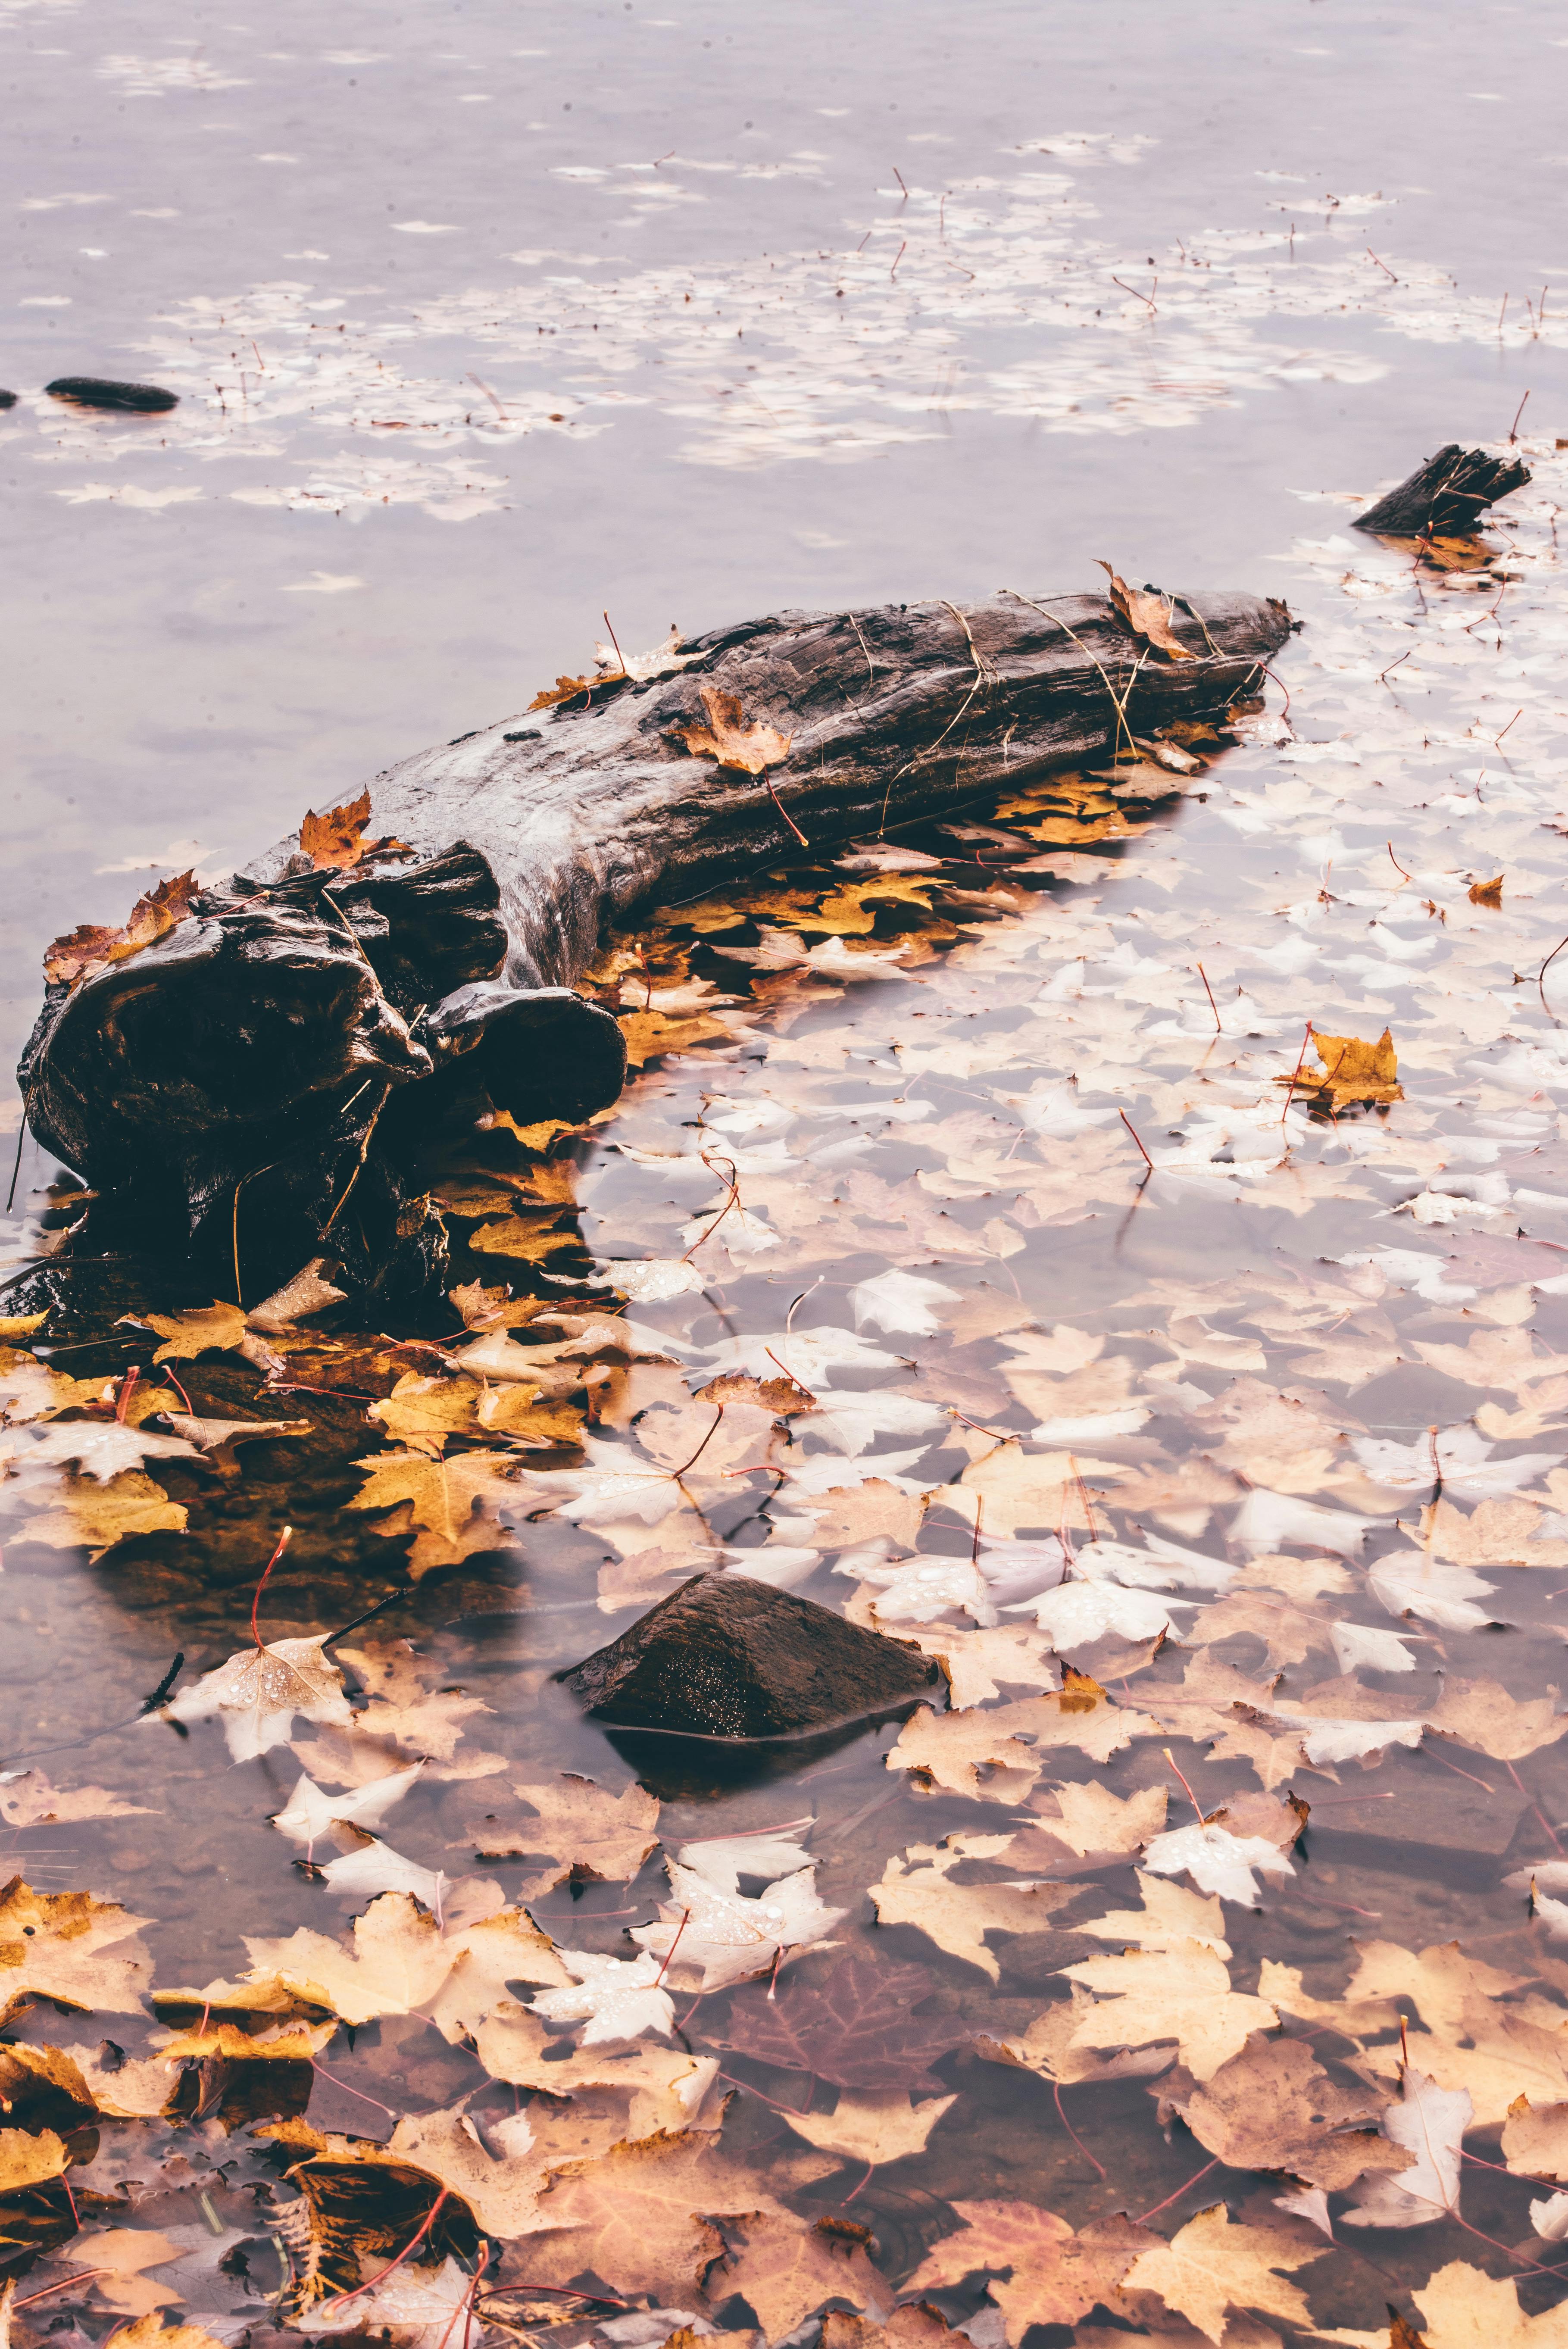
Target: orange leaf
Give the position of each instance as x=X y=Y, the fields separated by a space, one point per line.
x=1488 y=893
x=1352 y=1070
x=1147 y=615
x=566 y=689
x=728 y=738
x=92 y=947
x=336 y=838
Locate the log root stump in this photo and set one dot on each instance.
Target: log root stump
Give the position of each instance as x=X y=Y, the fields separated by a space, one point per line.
x=263 y=1080
x=1446 y=496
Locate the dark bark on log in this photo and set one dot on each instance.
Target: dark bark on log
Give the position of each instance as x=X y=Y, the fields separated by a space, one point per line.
x=255 y=1049
x=1446 y=495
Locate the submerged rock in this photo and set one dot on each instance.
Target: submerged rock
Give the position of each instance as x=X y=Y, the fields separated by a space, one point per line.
x=96 y=391
x=726 y=1657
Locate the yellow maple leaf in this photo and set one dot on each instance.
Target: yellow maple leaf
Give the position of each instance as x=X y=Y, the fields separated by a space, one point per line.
x=1351 y=1071
x=566 y=689
x=100 y=1515
x=423 y=1412
x=209 y=1329
x=528 y=1243
x=52 y=1944
x=1183 y=1993
x=1217 y=2263
x=442 y=1492
x=728 y=738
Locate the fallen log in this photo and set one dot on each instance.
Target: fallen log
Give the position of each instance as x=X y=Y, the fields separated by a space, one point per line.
x=300 y=1034
x=1446 y=496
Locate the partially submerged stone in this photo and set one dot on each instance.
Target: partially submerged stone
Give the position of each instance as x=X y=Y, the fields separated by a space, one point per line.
x=726 y=1657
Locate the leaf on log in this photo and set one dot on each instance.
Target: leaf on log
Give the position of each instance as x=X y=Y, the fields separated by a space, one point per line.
x=92 y=947
x=728 y=738
x=1148 y=614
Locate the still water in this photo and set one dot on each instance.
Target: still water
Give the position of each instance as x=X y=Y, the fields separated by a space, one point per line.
x=488 y=323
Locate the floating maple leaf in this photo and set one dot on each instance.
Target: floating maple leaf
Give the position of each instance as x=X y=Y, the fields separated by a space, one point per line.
x=1216 y=2264
x=618 y=1999
x=1274 y=2107
x=51 y=1946
x=258 y=1691
x=1057 y=2276
x=1350 y=1070
x=93 y=947
x=1183 y=1993
x=1148 y=614
x=101 y=1448
x=1217 y=1860
x=728 y=738
x=1427 y=2124
x=730 y=1938
x=855 y=2029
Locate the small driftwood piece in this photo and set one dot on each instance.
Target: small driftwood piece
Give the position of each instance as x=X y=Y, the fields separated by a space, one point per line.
x=259 y=1083
x=1446 y=496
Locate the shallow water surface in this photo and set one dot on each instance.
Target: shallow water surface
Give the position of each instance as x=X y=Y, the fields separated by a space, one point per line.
x=1226 y=1407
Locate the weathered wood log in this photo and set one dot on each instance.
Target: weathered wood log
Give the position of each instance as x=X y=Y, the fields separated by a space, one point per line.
x=1446 y=496
x=255 y=1049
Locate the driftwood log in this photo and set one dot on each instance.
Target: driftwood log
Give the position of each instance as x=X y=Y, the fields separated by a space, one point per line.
x=1446 y=496
x=298 y=1039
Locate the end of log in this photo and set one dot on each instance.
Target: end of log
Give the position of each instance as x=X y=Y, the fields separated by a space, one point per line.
x=1446 y=496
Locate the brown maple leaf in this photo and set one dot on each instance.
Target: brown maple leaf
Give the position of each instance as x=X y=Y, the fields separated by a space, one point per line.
x=1488 y=893
x=1274 y=2107
x=1148 y=614
x=857 y=2029
x=92 y=947
x=1057 y=2276
x=728 y=738
x=787 y=2268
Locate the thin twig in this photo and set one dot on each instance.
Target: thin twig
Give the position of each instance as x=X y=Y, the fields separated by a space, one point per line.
x=1301 y=1063
x=1545 y=966
x=1056 y=2092
x=1133 y=1130
x=256 y=1601
x=1186 y=1789
x=1384 y=675
x=1134 y=292
x=1513 y=428
x=341 y=2300
x=16 y=1166
x=733 y=1201
x=1219 y=1027
x=1142 y=2220
x=1533 y=1805
x=675 y=1945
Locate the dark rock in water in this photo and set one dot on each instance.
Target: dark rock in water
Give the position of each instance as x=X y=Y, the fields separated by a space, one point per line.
x=7 y=400
x=93 y=391
x=726 y=1657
